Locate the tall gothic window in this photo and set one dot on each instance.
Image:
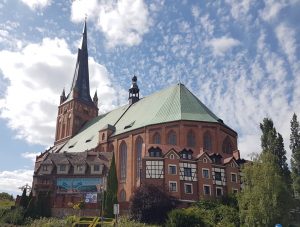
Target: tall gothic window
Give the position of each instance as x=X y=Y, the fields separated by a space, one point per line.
x=207 y=143
x=172 y=138
x=191 y=141
x=138 y=148
x=156 y=138
x=123 y=160
x=227 y=146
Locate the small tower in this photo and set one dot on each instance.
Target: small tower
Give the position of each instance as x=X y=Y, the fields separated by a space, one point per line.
x=77 y=107
x=95 y=99
x=134 y=91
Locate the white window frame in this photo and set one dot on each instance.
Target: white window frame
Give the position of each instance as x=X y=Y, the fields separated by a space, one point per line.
x=172 y=156
x=169 y=169
x=235 y=190
x=171 y=182
x=222 y=193
x=45 y=168
x=185 y=184
x=235 y=177
x=60 y=168
x=98 y=168
x=204 y=160
x=203 y=173
x=206 y=185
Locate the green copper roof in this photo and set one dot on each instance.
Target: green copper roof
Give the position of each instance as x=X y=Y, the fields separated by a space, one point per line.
x=171 y=104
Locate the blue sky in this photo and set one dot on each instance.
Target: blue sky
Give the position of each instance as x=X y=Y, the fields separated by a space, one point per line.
x=240 y=57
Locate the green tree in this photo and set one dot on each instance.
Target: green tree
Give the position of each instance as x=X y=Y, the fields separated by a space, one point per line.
x=295 y=148
x=272 y=142
x=24 y=199
x=265 y=198
x=112 y=189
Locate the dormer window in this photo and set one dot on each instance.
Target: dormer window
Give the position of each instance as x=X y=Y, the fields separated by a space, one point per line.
x=62 y=168
x=96 y=168
x=80 y=168
x=155 y=152
x=45 y=168
x=186 y=154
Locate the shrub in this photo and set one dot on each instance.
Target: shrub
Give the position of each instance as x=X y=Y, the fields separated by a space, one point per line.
x=185 y=217
x=14 y=216
x=150 y=204
x=49 y=222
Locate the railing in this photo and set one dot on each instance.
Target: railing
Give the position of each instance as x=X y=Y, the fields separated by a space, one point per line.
x=94 y=222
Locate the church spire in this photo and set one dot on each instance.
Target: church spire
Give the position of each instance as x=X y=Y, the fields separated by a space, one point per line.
x=134 y=91
x=80 y=86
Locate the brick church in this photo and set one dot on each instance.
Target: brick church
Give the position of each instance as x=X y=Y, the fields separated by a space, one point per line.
x=169 y=138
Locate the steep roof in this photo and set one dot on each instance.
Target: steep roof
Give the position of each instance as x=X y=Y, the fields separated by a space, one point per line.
x=171 y=104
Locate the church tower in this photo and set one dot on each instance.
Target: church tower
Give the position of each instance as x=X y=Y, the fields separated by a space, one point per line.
x=134 y=91
x=77 y=107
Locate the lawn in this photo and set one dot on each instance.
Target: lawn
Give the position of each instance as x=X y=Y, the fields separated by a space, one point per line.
x=6 y=204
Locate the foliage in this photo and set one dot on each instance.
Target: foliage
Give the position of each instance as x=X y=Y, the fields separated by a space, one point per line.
x=265 y=198
x=125 y=222
x=6 y=196
x=48 y=222
x=14 y=216
x=295 y=148
x=42 y=206
x=112 y=189
x=272 y=142
x=150 y=204
x=185 y=217
x=6 y=204
x=24 y=199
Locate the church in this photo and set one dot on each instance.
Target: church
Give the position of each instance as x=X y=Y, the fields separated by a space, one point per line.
x=169 y=139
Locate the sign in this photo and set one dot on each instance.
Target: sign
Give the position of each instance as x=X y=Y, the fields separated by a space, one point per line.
x=91 y=198
x=116 y=209
x=73 y=185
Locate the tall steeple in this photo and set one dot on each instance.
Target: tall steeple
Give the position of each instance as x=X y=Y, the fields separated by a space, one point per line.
x=78 y=107
x=80 y=88
x=134 y=91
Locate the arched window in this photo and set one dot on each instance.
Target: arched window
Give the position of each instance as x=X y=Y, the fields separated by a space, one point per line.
x=207 y=144
x=191 y=141
x=123 y=160
x=122 y=195
x=227 y=146
x=138 y=148
x=172 y=138
x=156 y=138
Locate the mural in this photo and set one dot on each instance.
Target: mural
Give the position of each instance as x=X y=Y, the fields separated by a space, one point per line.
x=71 y=185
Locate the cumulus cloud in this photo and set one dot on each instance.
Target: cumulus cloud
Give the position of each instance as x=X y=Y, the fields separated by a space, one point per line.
x=10 y=181
x=123 y=22
x=36 y=4
x=30 y=155
x=222 y=45
x=36 y=76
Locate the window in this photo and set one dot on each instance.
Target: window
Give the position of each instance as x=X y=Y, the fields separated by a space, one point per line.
x=188 y=188
x=191 y=141
x=45 y=168
x=207 y=141
x=227 y=146
x=172 y=138
x=80 y=168
x=218 y=176
x=62 y=168
x=234 y=190
x=122 y=195
x=186 y=154
x=155 y=169
x=138 y=147
x=172 y=156
x=219 y=191
x=233 y=177
x=204 y=160
x=205 y=173
x=154 y=152
x=156 y=138
x=206 y=189
x=103 y=136
x=123 y=160
x=96 y=168
x=172 y=169
x=187 y=172
x=172 y=186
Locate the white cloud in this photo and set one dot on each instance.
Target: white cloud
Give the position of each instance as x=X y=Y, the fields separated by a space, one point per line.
x=222 y=45
x=287 y=41
x=239 y=8
x=272 y=8
x=36 y=4
x=30 y=155
x=36 y=76
x=123 y=22
x=10 y=181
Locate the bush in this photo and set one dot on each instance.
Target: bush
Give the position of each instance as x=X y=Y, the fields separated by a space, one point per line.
x=149 y=204
x=185 y=217
x=14 y=216
x=48 y=222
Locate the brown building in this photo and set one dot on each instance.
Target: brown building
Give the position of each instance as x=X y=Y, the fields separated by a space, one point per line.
x=170 y=139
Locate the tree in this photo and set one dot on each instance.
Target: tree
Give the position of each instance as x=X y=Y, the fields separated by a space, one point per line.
x=272 y=142
x=295 y=148
x=150 y=204
x=265 y=198
x=24 y=199
x=112 y=189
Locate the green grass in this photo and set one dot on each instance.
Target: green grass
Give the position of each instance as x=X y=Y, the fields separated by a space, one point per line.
x=6 y=204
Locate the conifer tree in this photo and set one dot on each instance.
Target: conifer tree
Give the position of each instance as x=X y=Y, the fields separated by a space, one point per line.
x=112 y=189
x=295 y=148
x=24 y=199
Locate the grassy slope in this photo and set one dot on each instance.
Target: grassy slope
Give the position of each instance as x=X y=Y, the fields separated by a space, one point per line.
x=6 y=204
